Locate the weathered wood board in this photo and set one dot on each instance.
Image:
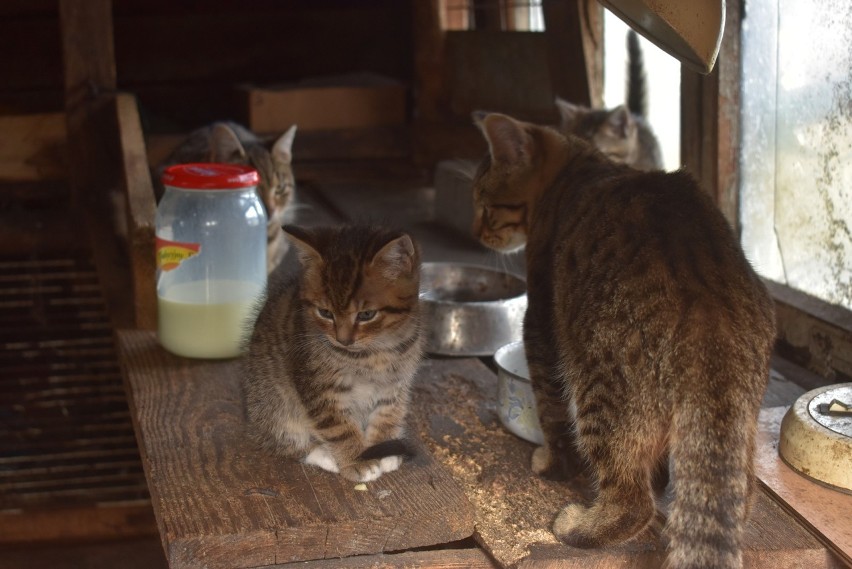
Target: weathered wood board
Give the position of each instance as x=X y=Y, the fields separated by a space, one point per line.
x=220 y=502
x=826 y=511
x=455 y=412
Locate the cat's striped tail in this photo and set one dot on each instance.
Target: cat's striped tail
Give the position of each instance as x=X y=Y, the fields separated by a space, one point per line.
x=712 y=451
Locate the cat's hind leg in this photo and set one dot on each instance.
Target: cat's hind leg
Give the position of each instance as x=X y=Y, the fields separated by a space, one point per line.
x=622 y=460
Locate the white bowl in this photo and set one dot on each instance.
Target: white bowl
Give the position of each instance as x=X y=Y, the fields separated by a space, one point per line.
x=515 y=398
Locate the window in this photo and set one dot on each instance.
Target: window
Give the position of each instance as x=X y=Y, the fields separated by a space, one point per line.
x=506 y=15
x=662 y=85
x=796 y=159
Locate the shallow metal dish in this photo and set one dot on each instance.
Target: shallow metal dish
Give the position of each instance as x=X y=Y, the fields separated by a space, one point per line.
x=515 y=398
x=471 y=310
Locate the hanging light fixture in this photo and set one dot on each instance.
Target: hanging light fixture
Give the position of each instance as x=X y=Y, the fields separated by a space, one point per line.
x=690 y=31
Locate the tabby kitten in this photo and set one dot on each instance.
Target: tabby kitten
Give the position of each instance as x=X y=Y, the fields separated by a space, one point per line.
x=230 y=143
x=622 y=133
x=334 y=351
x=647 y=334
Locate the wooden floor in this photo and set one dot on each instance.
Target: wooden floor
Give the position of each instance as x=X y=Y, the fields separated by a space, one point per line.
x=394 y=192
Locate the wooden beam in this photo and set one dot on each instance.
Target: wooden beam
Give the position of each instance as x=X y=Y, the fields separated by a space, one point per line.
x=710 y=106
x=138 y=192
x=574 y=31
x=90 y=80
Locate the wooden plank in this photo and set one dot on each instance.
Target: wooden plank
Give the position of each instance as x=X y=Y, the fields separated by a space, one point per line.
x=81 y=522
x=822 y=510
x=32 y=147
x=218 y=498
x=138 y=193
x=456 y=416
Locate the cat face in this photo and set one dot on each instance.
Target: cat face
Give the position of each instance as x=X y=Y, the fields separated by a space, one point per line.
x=507 y=183
x=359 y=285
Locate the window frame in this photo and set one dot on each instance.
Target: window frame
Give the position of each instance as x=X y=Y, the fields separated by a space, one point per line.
x=811 y=333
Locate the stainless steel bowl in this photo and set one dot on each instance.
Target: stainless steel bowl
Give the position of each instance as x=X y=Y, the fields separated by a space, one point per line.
x=515 y=398
x=471 y=310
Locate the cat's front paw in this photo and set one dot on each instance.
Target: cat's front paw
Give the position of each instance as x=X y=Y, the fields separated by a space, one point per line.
x=321 y=457
x=363 y=471
x=542 y=460
x=390 y=463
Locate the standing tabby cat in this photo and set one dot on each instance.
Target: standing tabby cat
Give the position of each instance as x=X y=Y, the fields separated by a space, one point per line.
x=622 y=133
x=230 y=143
x=334 y=350
x=647 y=334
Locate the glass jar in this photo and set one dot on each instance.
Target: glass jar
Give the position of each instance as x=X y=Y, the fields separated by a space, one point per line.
x=211 y=258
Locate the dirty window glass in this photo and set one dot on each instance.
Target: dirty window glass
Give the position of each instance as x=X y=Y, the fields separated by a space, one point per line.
x=796 y=193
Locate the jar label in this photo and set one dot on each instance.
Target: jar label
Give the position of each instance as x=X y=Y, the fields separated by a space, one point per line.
x=170 y=254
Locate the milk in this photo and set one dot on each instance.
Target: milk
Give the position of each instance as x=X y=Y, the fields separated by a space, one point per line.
x=207 y=319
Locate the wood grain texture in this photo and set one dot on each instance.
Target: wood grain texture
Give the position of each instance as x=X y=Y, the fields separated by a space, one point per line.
x=33 y=147
x=457 y=417
x=824 y=510
x=220 y=502
x=135 y=182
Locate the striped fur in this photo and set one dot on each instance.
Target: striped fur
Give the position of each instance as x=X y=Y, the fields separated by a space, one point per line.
x=334 y=350
x=231 y=143
x=648 y=337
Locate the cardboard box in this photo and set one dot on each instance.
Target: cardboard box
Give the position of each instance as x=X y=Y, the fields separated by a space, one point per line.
x=328 y=104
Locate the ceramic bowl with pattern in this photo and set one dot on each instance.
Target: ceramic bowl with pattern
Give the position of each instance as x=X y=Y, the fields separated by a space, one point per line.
x=515 y=399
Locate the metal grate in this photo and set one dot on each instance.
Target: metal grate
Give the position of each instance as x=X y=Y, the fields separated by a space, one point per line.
x=65 y=430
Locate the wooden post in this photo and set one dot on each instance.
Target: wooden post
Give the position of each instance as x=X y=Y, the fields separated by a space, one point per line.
x=710 y=130
x=574 y=30
x=90 y=83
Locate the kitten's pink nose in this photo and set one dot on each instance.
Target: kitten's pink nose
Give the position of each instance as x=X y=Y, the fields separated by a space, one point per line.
x=344 y=334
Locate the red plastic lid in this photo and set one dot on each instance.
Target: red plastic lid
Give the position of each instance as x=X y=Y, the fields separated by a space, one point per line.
x=210 y=176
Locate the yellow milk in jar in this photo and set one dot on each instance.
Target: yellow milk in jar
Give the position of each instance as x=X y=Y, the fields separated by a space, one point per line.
x=192 y=327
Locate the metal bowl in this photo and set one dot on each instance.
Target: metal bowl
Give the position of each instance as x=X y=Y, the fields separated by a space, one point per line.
x=515 y=398
x=471 y=310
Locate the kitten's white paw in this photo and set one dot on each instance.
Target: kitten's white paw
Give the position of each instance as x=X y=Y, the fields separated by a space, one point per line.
x=390 y=463
x=364 y=472
x=322 y=458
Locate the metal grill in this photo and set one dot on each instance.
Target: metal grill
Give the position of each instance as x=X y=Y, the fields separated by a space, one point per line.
x=65 y=430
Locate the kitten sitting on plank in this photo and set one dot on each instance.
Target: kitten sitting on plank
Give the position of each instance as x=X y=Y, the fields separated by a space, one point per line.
x=647 y=335
x=230 y=143
x=334 y=350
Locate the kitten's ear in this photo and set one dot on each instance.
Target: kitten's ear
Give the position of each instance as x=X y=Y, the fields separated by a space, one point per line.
x=569 y=113
x=302 y=239
x=224 y=145
x=508 y=142
x=477 y=116
x=282 y=149
x=621 y=122
x=396 y=258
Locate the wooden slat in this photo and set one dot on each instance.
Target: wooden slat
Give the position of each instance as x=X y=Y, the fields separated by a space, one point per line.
x=218 y=498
